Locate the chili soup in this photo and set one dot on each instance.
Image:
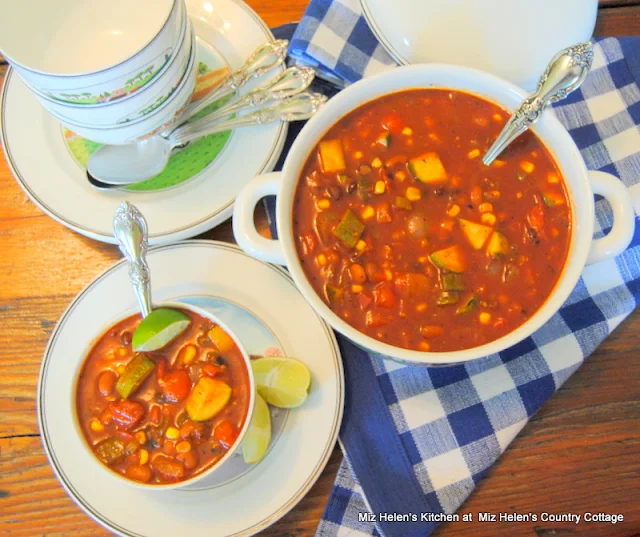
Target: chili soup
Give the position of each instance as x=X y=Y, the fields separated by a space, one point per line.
x=164 y=416
x=408 y=237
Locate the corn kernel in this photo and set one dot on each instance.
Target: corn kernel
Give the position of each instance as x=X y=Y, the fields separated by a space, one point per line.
x=368 y=212
x=122 y=352
x=553 y=178
x=474 y=153
x=497 y=117
x=488 y=218
x=376 y=163
x=519 y=195
x=388 y=274
x=454 y=210
x=527 y=166
x=407 y=131
x=356 y=288
x=357 y=154
x=96 y=425
x=485 y=208
x=183 y=447
x=172 y=433
x=323 y=204
x=321 y=259
x=400 y=175
x=144 y=457
x=413 y=193
x=484 y=317
x=421 y=307
x=424 y=346
x=423 y=259
x=141 y=437
x=380 y=187
x=361 y=245
x=499 y=163
x=120 y=369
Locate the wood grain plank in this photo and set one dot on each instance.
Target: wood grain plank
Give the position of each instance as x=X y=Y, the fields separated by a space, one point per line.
x=618 y=21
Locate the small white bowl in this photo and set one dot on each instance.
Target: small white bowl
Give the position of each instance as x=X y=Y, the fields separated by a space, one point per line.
x=81 y=50
x=202 y=475
x=140 y=104
x=160 y=119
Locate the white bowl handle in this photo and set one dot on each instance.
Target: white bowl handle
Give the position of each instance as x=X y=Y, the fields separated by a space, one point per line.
x=614 y=191
x=244 y=230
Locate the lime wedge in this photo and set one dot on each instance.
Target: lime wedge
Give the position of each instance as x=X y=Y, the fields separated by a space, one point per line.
x=159 y=328
x=256 y=441
x=282 y=382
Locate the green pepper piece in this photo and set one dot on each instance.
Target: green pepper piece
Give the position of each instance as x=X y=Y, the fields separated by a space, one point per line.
x=333 y=294
x=349 y=229
x=365 y=187
x=448 y=297
x=402 y=203
x=470 y=303
x=134 y=375
x=451 y=281
x=111 y=450
x=344 y=179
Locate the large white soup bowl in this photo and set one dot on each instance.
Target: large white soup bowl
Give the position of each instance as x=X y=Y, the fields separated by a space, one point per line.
x=581 y=185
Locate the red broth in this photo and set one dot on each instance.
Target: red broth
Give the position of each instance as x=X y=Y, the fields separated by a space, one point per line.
x=149 y=436
x=412 y=240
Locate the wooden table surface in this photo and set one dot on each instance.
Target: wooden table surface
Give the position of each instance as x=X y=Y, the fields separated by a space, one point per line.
x=580 y=453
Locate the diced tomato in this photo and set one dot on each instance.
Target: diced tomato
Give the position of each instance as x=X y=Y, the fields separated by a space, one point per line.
x=364 y=301
x=374 y=274
x=383 y=295
x=225 y=433
x=126 y=414
x=397 y=160
x=411 y=284
x=393 y=122
x=375 y=318
x=175 y=385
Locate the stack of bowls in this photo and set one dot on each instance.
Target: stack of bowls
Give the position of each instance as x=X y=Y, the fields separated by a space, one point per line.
x=114 y=73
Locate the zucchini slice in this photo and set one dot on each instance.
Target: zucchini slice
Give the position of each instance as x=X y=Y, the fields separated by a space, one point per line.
x=498 y=245
x=449 y=259
x=331 y=156
x=476 y=234
x=428 y=168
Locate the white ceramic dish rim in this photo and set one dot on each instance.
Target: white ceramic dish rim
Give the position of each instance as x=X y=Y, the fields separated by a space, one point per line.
x=187 y=58
x=487 y=86
x=181 y=38
x=266 y=522
x=243 y=431
x=219 y=215
x=109 y=67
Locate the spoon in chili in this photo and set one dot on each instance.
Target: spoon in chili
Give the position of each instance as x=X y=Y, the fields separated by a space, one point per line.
x=565 y=73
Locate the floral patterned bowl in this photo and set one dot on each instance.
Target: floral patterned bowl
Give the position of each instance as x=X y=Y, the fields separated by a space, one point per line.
x=87 y=53
x=143 y=102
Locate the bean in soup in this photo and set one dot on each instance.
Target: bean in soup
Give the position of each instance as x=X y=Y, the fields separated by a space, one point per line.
x=163 y=416
x=409 y=238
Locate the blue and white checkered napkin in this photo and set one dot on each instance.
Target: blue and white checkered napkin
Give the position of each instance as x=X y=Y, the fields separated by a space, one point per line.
x=418 y=440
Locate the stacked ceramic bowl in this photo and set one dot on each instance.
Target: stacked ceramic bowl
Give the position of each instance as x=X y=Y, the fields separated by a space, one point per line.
x=114 y=73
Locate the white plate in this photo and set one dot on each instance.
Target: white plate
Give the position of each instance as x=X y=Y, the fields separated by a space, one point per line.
x=43 y=166
x=512 y=39
x=261 y=304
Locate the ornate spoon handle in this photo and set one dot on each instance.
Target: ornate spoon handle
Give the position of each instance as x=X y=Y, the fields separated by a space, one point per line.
x=287 y=84
x=130 y=230
x=263 y=59
x=299 y=107
x=565 y=73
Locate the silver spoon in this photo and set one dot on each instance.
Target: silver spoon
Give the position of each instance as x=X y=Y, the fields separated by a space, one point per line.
x=155 y=152
x=130 y=230
x=565 y=73
x=114 y=165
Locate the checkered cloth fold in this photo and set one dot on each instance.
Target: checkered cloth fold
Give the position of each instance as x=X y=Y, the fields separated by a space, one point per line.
x=417 y=440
